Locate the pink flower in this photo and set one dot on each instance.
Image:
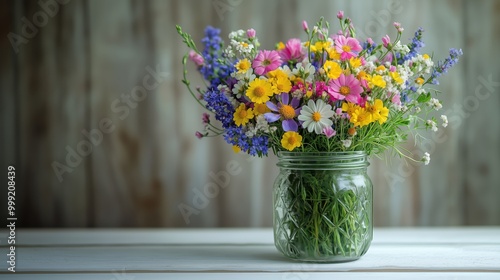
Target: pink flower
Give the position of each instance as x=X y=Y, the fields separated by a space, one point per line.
x=305 y=26
x=266 y=61
x=398 y=26
x=388 y=58
x=370 y=41
x=329 y=132
x=321 y=87
x=348 y=88
x=205 y=118
x=392 y=68
x=347 y=47
x=340 y=15
x=292 y=51
x=363 y=61
x=196 y=58
x=396 y=99
x=251 y=33
x=386 y=40
x=198 y=135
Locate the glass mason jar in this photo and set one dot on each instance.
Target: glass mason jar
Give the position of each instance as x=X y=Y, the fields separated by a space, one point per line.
x=323 y=206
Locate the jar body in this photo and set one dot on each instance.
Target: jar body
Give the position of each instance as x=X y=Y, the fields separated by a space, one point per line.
x=323 y=206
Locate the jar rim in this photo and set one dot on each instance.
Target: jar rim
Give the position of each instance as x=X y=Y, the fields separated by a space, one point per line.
x=322 y=154
x=323 y=160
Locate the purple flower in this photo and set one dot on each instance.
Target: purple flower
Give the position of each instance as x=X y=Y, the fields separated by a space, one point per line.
x=286 y=111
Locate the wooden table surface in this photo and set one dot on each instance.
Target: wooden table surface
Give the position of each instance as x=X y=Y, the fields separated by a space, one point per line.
x=126 y=254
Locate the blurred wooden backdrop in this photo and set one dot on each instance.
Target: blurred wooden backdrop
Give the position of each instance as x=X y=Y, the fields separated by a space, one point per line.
x=76 y=68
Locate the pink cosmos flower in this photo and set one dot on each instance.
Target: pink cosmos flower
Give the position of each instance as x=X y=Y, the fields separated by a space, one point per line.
x=292 y=51
x=386 y=40
x=345 y=87
x=329 y=132
x=251 y=33
x=196 y=58
x=347 y=47
x=266 y=61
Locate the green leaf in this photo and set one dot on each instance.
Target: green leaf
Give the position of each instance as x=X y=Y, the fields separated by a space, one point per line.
x=424 y=98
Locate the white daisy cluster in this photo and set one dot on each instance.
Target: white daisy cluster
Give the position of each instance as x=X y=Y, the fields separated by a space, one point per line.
x=261 y=125
x=432 y=125
x=435 y=104
x=240 y=43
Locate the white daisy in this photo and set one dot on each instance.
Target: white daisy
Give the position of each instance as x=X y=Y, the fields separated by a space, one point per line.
x=316 y=116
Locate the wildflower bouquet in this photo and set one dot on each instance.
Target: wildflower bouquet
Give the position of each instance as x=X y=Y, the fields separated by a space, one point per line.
x=328 y=93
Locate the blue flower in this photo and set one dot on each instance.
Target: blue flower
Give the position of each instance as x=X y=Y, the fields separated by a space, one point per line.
x=415 y=46
x=442 y=67
x=215 y=70
x=221 y=106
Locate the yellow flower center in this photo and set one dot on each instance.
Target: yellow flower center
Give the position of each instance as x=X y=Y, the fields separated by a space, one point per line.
x=259 y=91
x=243 y=114
x=266 y=62
x=345 y=90
x=243 y=44
x=287 y=112
x=316 y=116
x=292 y=140
x=346 y=48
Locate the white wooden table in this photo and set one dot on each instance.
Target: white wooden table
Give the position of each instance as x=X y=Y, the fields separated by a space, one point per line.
x=126 y=254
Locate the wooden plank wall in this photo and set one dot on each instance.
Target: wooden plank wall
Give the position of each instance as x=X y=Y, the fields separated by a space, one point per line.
x=111 y=70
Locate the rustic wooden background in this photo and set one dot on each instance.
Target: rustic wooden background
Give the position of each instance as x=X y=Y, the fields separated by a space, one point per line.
x=86 y=56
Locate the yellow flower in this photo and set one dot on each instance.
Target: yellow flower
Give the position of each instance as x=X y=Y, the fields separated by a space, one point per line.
x=242 y=115
x=361 y=75
x=380 y=68
x=419 y=80
x=426 y=56
x=259 y=91
x=349 y=107
x=309 y=93
x=397 y=78
x=291 y=140
x=355 y=62
x=280 y=46
x=360 y=117
x=378 y=81
x=243 y=65
x=236 y=149
x=281 y=84
x=260 y=109
x=277 y=73
x=333 y=54
x=332 y=69
x=378 y=111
